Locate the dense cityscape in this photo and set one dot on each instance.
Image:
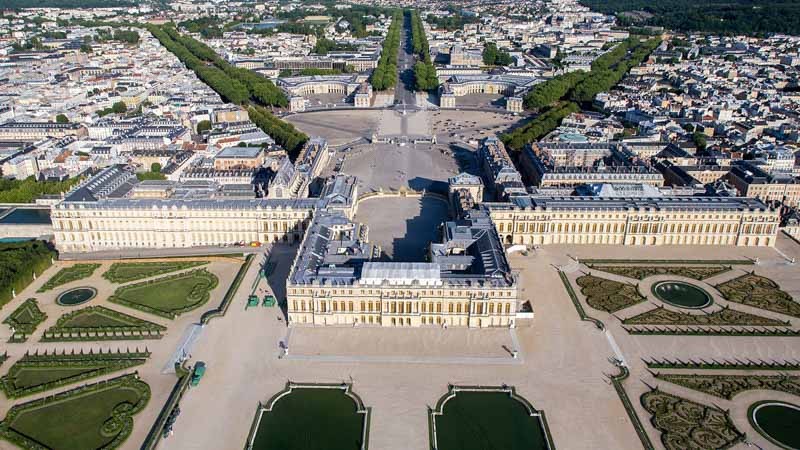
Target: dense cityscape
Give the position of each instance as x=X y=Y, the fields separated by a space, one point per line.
x=520 y=224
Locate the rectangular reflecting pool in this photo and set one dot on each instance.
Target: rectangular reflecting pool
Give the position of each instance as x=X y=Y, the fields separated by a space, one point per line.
x=27 y=216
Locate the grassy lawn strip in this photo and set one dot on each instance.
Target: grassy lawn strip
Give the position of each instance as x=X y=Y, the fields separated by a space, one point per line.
x=97 y=323
x=90 y=417
x=125 y=272
x=68 y=275
x=24 y=320
x=36 y=373
x=169 y=296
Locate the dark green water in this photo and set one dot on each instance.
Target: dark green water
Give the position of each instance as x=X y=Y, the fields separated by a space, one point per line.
x=27 y=216
x=311 y=419
x=779 y=422
x=681 y=294
x=487 y=421
x=76 y=296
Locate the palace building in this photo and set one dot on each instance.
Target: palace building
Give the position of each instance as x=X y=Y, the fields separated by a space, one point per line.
x=335 y=279
x=533 y=220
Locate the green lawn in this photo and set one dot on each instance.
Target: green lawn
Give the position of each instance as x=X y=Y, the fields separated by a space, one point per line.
x=98 y=320
x=68 y=275
x=487 y=420
x=76 y=419
x=125 y=272
x=311 y=419
x=168 y=296
x=40 y=372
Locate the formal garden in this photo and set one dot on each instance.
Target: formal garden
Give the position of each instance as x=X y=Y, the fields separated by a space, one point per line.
x=608 y=295
x=642 y=272
x=34 y=373
x=311 y=417
x=124 y=272
x=688 y=302
x=168 y=296
x=759 y=292
x=688 y=425
x=24 y=320
x=481 y=417
x=98 y=323
x=93 y=416
x=68 y=275
x=722 y=317
x=728 y=385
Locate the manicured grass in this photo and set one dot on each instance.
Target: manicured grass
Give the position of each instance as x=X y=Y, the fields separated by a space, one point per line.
x=484 y=420
x=24 y=320
x=90 y=417
x=168 y=296
x=41 y=372
x=311 y=419
x=68 y=275
x=125 y=272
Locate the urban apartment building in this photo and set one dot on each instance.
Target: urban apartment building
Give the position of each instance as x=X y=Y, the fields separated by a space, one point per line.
x=35 y=131
x=573 y=164
x=468 y=282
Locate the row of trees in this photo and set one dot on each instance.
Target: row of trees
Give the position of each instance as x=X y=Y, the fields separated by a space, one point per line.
x=492 y=56
x=580 y=86
x=385 y=74
x=540 y=126
x=234 y=84
x=425 y=78
x=18 y=262
x=28 y=190
x=284 y=133
x=325 y=45
x=716 y=16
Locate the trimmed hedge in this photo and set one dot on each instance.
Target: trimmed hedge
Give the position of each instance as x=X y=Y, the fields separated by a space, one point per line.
x=119 y=424
x=15 y=384
x=226 y=301
x=125 y=272
x=98 y=323
x=68 y=275
x=24 y=320
x=198 y=295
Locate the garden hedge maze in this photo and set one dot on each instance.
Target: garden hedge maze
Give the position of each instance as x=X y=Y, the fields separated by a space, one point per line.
x=608 y=295
x=759 y=292
x=687 y=425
